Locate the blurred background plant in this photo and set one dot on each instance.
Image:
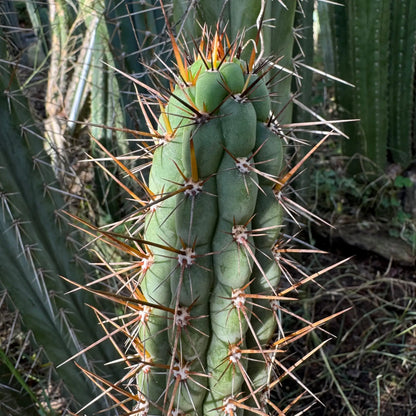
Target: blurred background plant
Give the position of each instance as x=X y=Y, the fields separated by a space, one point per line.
x=371 y=44
x=57 y=61
x=36 y=245
x=370 y=181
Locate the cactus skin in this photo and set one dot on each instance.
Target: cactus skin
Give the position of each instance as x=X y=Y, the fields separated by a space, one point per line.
x=402 y=88
x=220 y=160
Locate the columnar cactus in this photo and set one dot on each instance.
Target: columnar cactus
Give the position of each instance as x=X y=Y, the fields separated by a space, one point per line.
x=211 y=239
x=383 y=100
x=206 y=307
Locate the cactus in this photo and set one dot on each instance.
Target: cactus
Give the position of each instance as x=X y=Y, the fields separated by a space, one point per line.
x=402 y=90
x=73 y=46
x=379 y=59
x=204 y=254
x=203 y=293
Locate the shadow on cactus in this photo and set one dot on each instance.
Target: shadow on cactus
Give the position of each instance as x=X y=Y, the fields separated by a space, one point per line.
x=203 y=299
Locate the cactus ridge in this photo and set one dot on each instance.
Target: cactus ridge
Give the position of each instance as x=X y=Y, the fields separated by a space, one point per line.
x=204 y=295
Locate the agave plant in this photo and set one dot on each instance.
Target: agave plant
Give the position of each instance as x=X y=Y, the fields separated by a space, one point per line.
x=203 y=299
x=35 y=245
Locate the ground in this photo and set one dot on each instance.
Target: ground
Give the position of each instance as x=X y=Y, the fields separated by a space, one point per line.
x=368 y=368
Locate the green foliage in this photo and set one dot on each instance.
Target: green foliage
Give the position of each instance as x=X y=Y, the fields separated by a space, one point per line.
x=378 y=201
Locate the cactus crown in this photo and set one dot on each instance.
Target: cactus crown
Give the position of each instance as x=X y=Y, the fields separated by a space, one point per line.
x=204 y=297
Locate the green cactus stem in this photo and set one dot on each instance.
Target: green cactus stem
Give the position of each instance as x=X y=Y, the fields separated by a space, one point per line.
x=204 y=291
x=401 y=81
x=220 y=159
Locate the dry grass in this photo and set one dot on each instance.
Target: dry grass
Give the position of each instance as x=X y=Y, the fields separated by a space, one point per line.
x=369 y=368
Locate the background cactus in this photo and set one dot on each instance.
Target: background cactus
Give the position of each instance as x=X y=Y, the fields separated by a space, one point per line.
x=380 y=61
x=71 y=51
x=371 y=45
